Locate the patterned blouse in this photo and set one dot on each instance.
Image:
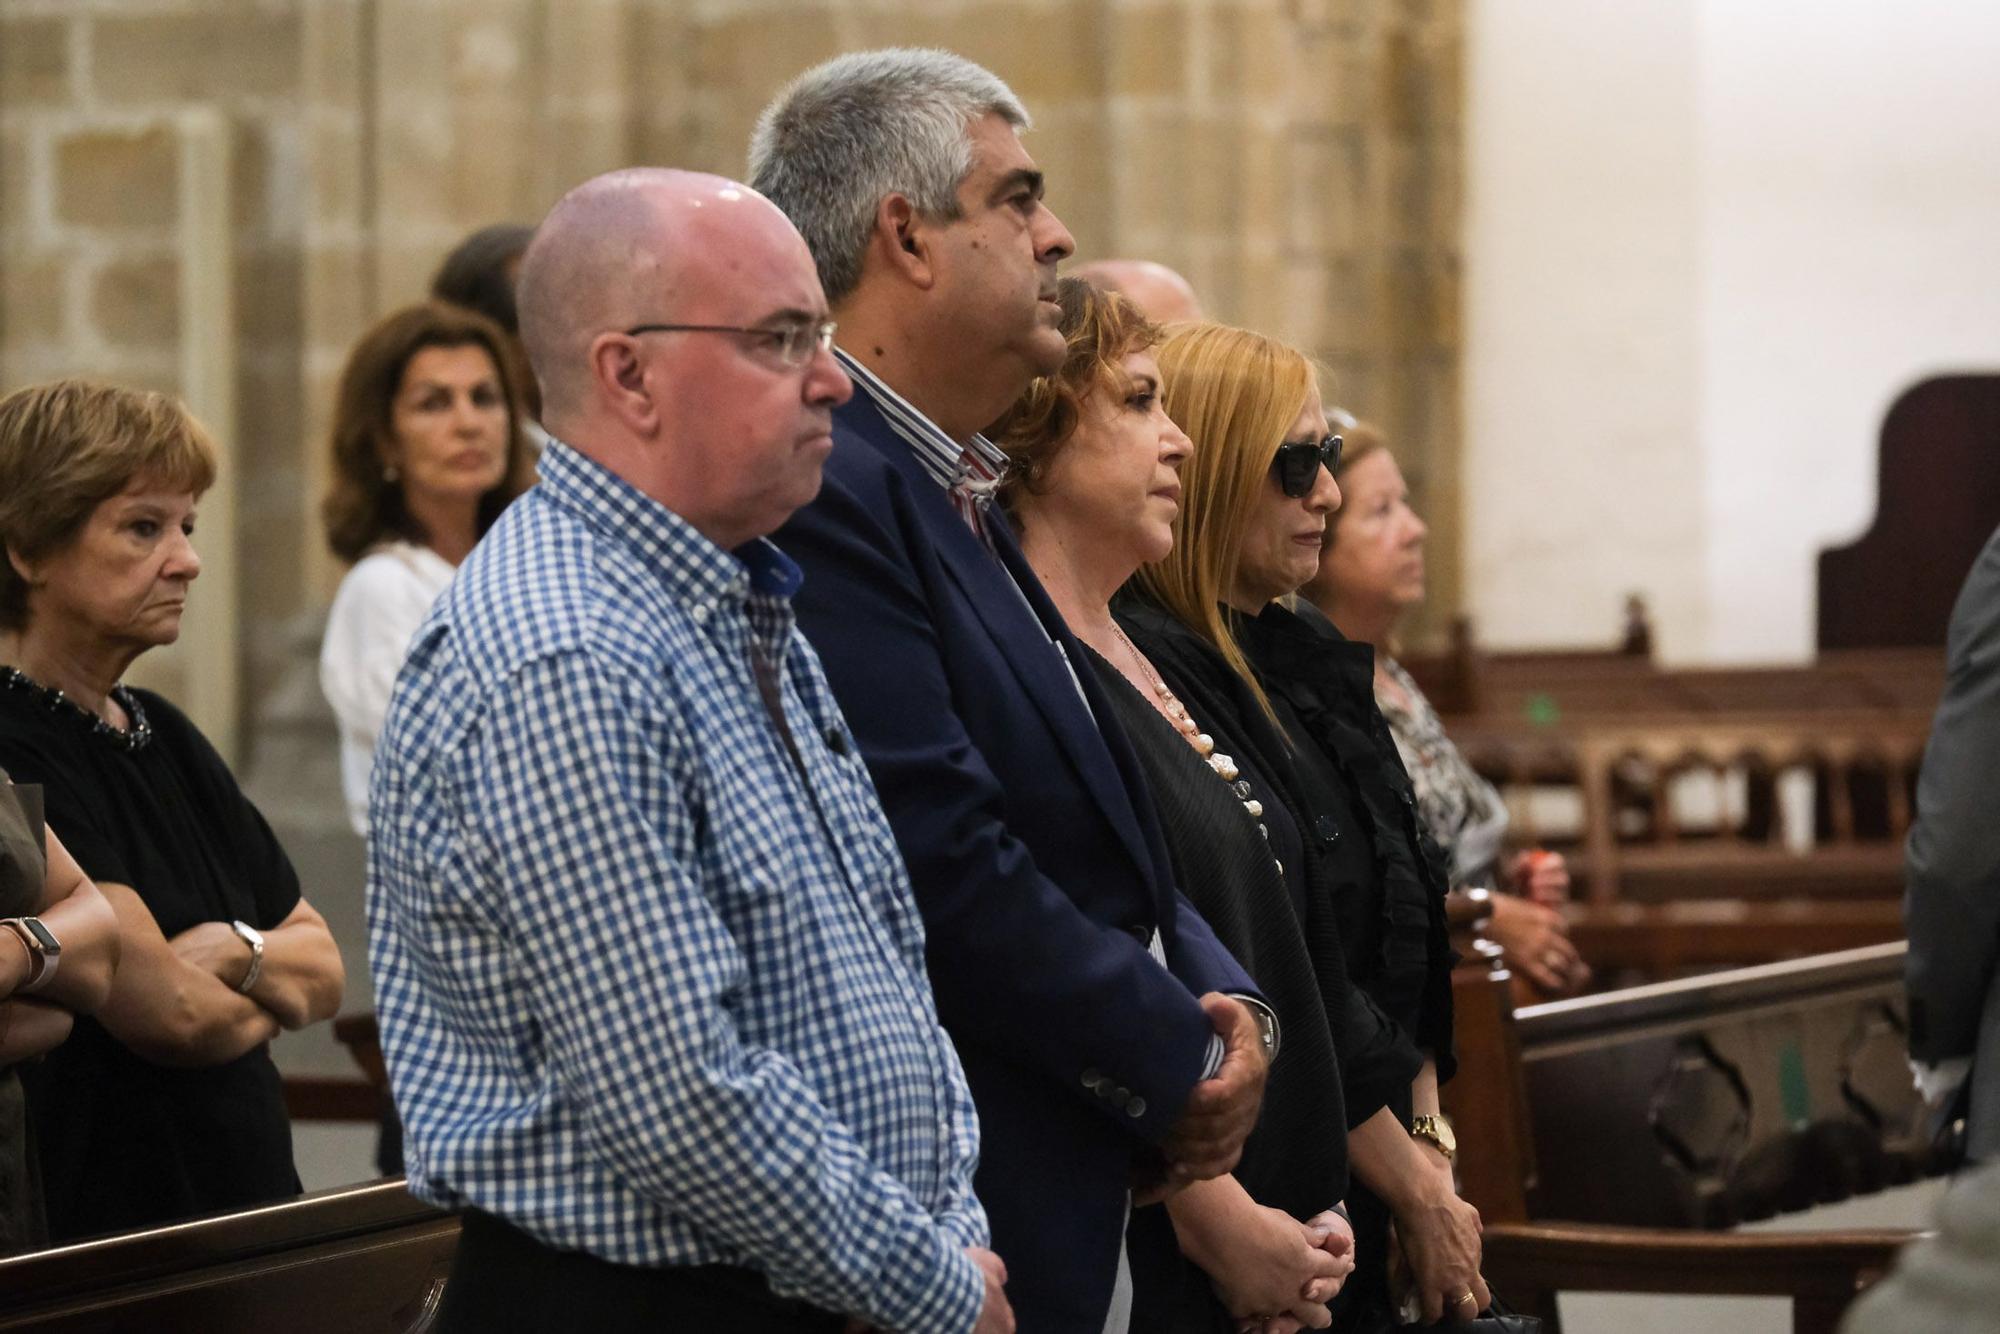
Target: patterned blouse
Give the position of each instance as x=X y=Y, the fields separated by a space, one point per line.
x=1466 y=814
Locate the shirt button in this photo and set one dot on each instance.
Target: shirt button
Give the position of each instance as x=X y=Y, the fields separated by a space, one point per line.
x=1091 y=1079
x=700 y=613
x=1136 y=1108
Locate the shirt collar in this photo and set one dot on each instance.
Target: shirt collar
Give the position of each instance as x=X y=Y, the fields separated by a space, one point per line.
x=937 y=452
x=693 y=568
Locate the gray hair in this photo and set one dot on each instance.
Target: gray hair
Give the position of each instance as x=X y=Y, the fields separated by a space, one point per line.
x=845 y=134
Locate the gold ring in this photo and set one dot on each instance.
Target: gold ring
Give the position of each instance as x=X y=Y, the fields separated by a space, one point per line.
x=1467 y=1297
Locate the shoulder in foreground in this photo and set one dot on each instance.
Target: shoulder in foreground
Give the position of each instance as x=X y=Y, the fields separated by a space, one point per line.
x=544 y=584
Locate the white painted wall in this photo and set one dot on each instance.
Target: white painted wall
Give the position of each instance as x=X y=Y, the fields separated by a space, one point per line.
x=1708 y=243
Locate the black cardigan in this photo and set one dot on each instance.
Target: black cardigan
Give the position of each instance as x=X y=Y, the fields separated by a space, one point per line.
x=1296 y=1159
x=1398 y=945
x=1378 y=1057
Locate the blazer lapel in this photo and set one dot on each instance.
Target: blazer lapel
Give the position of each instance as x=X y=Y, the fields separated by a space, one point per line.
x=1008 y=600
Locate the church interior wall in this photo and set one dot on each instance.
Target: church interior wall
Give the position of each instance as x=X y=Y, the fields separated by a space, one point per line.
x=1707 y=245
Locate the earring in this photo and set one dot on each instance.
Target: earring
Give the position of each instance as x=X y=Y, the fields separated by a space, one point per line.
x=390 y=473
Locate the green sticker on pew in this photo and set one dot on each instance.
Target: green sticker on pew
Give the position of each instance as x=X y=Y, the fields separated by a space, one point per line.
x=1792 y=1085
x=1542 y=710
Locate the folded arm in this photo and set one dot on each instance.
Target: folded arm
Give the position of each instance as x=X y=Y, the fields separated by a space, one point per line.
x=167 y=1009
x=80 y=918
x=30 y=1027
x=301 y=979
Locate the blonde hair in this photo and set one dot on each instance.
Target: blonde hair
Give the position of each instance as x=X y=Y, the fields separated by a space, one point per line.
x=69 y=445
x=1235 y=394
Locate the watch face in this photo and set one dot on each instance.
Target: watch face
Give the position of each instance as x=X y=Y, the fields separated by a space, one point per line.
x=50 y=945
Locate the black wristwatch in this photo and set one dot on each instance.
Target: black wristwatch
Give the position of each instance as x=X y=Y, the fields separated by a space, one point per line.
x=44 y=950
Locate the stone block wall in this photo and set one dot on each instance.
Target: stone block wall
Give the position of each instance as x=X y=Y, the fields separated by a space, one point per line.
x=1298 y=159
x=91 y=163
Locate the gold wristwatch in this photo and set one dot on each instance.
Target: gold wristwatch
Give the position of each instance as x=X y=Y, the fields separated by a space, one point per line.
x=1436 y=1132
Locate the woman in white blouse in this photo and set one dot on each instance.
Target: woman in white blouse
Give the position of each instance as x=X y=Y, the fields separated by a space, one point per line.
x=427 y=451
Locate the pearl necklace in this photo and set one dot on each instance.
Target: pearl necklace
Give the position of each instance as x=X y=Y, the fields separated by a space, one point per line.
x=1204 y=744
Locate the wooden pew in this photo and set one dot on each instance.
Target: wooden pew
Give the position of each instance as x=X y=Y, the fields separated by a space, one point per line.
x=1549 y=686
x=1606 y=1140
x=1659 y=941
x=355 y=1260
x=1633 y=841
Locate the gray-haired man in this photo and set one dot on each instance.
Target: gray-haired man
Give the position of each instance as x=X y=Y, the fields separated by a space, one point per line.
x=1033 y=848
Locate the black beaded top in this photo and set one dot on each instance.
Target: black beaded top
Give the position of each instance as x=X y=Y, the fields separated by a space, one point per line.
x=55 y=701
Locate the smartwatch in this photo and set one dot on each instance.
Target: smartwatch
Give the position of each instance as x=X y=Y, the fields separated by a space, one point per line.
x=254 y=938
x=44 y=950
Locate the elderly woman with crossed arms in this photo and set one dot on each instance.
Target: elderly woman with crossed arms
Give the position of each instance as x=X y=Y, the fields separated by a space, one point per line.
x=164 y=1103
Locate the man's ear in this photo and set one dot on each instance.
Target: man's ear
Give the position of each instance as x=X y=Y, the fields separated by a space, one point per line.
x=618 y=375
x=904 y=241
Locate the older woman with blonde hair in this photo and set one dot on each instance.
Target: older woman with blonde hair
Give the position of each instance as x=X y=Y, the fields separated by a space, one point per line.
x=1255 y=500
x=165 y=1103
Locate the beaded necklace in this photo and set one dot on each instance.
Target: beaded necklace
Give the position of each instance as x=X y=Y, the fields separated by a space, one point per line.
x=52 y=700
x=1204 y=744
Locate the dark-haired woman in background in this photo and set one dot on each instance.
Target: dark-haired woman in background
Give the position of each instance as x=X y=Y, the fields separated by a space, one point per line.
x=1255 y=500
x=480 y=274
x=1094 y=484
x=427 y=451
x=165 y=1103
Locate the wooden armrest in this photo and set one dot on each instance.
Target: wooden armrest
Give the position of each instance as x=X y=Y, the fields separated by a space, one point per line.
x=358 y=1033
x=1528 y=1263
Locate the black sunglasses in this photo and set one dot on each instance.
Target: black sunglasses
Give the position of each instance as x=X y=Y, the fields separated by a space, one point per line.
x=1298 y=465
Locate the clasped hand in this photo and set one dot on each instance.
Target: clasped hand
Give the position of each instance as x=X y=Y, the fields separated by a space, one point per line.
x=1208 y=1138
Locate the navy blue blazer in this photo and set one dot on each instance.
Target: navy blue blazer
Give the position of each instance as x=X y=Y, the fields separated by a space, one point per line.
x=1034 y=851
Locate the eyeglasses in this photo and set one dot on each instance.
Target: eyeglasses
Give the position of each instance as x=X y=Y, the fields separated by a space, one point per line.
x=1298 y=464
x=794 y=344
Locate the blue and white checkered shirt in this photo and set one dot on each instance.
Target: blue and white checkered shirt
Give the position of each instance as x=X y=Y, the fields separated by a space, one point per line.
x=649 y=986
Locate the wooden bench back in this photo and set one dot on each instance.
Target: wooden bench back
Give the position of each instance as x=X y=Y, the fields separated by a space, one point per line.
x=1697 y=1103
x=356 y=1260
x=1633 y=841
